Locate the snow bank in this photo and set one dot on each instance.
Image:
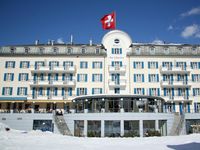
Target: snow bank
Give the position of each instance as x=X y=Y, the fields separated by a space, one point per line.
x=46 y=141
x=3 y=127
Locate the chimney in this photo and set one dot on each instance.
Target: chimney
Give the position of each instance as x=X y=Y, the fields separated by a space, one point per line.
x=90 y=42
x=71 y=40
x=36 y=42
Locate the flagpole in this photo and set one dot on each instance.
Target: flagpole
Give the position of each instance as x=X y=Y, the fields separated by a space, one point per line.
x=115 y=20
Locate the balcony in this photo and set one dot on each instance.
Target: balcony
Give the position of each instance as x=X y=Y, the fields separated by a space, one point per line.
x=53 y=83
x=169 y=84
x=50 y=97
x=50 y=69
x=117 y=69
x=117 y=83
x=174 y=70
x=176 y=98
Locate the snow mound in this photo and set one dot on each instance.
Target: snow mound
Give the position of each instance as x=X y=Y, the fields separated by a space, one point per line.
x=3 y=127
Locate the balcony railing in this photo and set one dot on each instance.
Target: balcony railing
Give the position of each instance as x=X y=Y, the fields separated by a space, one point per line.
x=117 y=68
x=175 y=98
x=49 y=97
x=67 y=83
x=118 y=83
x=170 y=83
x=47 y=68
x=175 y=69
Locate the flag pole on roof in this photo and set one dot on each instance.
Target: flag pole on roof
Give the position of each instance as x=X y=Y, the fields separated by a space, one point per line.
x=109 y=21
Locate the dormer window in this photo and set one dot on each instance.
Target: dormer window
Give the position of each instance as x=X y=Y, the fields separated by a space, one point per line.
x=152 y=50
x=69 y=50
x=97 y=51
x=55 y=50
x=194 y=49
x=26 y=50
x=83 y=50
x=41 y=49
x=137 y=50
x=180 y=50
x=12 y=50
x=166 y=50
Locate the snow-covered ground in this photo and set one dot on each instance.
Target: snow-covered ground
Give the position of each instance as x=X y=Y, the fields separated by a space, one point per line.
x=36 y=140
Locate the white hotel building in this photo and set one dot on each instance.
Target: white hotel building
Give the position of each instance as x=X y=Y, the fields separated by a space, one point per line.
x=116 y=88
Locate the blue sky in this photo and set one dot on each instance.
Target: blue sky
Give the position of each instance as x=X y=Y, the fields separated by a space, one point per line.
x=24 y=21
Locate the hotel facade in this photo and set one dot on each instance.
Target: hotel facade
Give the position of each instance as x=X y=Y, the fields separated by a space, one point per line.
x=116 y=88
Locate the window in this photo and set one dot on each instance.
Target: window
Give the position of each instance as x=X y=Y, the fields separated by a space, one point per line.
x=117 y=90
x=81 y=91
x=97 y=65
x=22 y=91
x=41 y=50
x=153 y=78
x=97 y=51
x=138 y=65
x=68 y=64
x=82 y=78
x=182 y=65
x=26 y=50
x=7 y=91
x=10 y=64
x=154 y=91
x=195 y=65
x=116 y=50
x=96 y=90
x=138 y=77
x=39 y=64
x=167 y=64
x=180 y=50
x=152 y=65
x=8 y=76
x=166 y=50
x=139 y=91
x=83 y=64
x=24 y=64
x=137 y=50
x=69 y=50
x=55 y=50
x=83 y=50
x=195 y=77
x=196 y=91
x=12 y=50
x=96 y=77
x=152 y=50
x=23 y=77
x=116 y=63
x=116 y=41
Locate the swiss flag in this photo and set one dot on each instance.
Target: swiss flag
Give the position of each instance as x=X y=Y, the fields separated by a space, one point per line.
x=108 y=21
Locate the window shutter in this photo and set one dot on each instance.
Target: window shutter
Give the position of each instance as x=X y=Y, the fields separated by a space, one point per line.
x=112 y=50
x=150 y=91
x=86 y=78
x=134 y=77
x=134 y=65
x=14 y=64
x=199 y=64
x=12 y=77
x=188 y=107
x=191 y=65
x=70 y=91
x=18 y=90
x=92 y=77
x=157 y=65
x=81 y=64
x=48 y=91
x=6 y=64
x=157 y=77
x=3 y=91
x=192 y=77
x=158 y=92
x=149 y=78
x=28 y=64
x=187 y=92
x=85 y=91
x=77 y=92
x=100 y=90
x=86 y=63
x=101 y=65
x=63 y=91
x=165 y=91
x=11 y=90
x=194 y=92
x=56 y=76
x=172 y=91
x=113 y=64
x=149 y=65
x=142 y=65
x=56 y=91
x=33 y=92
x=78 y=77
x=142 y=77
x=93 y=65
x=63 y=76
x=34 y=77
x=20 y=64
x=134 y=90
x=120 y=50
x=92 y=90
x=49 y=77
x=27 y=77
x=120 y=63
x=25 y=91
x=143 y=91
x=101 y=78
x=5 y=75
x=42 y=77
